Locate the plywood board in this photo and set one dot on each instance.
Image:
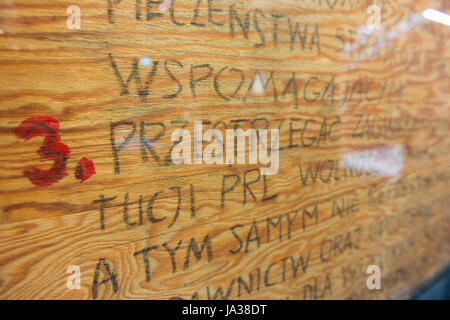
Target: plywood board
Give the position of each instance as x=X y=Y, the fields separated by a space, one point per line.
x=362 y=111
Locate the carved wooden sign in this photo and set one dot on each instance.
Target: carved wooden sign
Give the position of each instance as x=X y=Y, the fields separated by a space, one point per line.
x=219 y=149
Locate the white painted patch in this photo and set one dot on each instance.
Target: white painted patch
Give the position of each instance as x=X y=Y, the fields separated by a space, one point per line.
x=166 y=4
x=258 y=85
x=146 y=62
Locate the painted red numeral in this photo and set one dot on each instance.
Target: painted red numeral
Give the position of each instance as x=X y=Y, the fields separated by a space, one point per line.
x=51 y=149
x=85 y=169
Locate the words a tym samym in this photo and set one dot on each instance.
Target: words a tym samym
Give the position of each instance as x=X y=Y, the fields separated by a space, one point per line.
x=214 y=153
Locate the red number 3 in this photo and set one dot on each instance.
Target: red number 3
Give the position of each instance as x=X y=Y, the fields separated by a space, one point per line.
x=51 y=149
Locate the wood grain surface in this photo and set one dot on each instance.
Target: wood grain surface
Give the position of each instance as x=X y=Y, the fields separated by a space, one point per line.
x=363 y=178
